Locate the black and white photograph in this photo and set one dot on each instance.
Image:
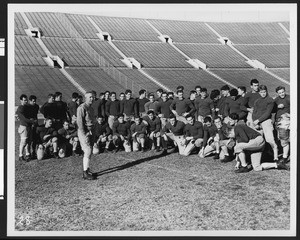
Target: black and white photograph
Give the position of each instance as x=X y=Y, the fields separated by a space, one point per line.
x=151 y=119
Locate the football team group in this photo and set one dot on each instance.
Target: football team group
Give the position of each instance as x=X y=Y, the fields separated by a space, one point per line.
x=228 y=124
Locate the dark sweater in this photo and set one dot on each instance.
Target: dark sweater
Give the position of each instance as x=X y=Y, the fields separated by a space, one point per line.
x=244 y=134
x=72 y=108
x=62 y=133
x=286 y=102
x=112 y=108
x=141 y=103
x=139 y=129
x=177 y=129
x=98 y=107
x=250 y=98
x=151 y=106
x=182 y=106
x=33 y=111
x=49 y=110
x=43 y=131
x=234 y=106
x=262 y=108
x=209 y=132
x=61 y=110
x=195 y=130
x=153 y=125
x=101 y=129
x=164 y=108
x=221 y=105
x=23 y=115
x=121 y=129
x=129 y=107
x=204 y=106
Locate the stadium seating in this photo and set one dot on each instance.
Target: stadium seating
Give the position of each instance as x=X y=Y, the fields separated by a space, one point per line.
x=287 y=25
x=273 y=56
x=95 y=79
x=20 y=24
x=28 y=52
x=282 y=72
x=69 y=50
x=153 y=55
x=84 y=27
x=185 y=32
x=242 y=77
x=126 y=28
x=139 y=80
x=48 y=24
x=188 y=78
x=214 y=56
x=104 y=49
x=251 y=33
x=41 y=81
x=266 y=42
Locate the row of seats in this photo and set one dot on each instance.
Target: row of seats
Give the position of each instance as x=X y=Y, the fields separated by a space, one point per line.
x=140 y=30
x=160 y=60
x=152 y=55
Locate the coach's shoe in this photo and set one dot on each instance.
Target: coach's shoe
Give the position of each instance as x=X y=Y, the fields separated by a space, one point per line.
x=226 y=159
x=242 y=170
x=216 y=156
x=91 y=173
x=281 y=165
x=87 y=176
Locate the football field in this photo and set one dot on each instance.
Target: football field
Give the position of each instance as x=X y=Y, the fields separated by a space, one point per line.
x=146 y=191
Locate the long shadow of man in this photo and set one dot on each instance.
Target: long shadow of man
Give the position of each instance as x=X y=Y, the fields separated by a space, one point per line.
x=128 y=165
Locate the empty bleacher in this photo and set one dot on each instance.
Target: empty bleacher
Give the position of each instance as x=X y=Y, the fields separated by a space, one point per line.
x=41 y=81
x=20 y=24
x=139 y=80
x=185 y=32
x=242 y=77
x=282 y=72
x=107 y=51
x=69 y=50
x=266 y=42
x=251 y=33
x=214 y=56
x=188 y=78
x=286 y=25
x=48 y=23
x=153 y=55
x=84 y=27
x=95 y=79
x=126 y=28
x=273 y=56
x=28 y=52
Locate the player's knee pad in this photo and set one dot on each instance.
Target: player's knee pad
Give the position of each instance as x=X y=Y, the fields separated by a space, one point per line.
x=54 y=140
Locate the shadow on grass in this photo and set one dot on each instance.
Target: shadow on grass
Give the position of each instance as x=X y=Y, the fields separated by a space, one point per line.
x=130 y=164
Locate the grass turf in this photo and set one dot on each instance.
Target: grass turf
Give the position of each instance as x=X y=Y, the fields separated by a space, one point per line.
x=147 y=191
